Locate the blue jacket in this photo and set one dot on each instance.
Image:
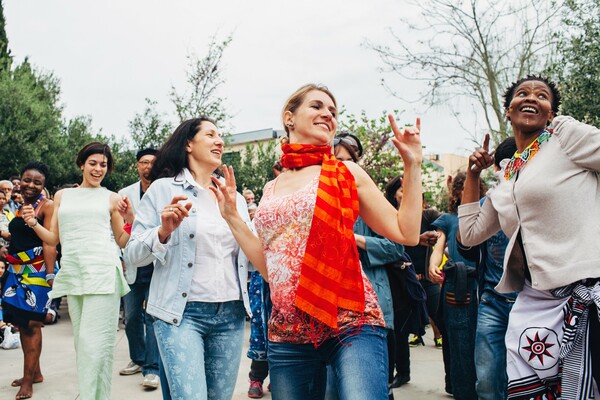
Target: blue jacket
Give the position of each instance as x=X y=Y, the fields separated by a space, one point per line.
x=380 y=252
x=174 y=260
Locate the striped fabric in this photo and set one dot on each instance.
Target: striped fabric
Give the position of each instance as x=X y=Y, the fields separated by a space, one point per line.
x=26 y=262
x=331 y=275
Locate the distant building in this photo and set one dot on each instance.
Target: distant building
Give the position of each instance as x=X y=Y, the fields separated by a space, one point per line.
x=451 y=163
x=236 y=143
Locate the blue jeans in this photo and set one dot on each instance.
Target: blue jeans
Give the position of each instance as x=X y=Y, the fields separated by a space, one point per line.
x=460 y=321
x=359 y=362
x=201 y=356
x=490 y=348
x=143 y=349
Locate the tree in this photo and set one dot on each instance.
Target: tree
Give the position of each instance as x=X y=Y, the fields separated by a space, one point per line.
x=578 y=56
x=5 y=57
x=254 y=168
x=381 y=159
x=204 y=79
x=472 y=49
x=149 y=129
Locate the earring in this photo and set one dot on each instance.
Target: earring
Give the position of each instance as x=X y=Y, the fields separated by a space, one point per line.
x=290 y=124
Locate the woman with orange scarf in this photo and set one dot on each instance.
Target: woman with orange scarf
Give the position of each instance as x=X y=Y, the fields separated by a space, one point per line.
x=324 y=308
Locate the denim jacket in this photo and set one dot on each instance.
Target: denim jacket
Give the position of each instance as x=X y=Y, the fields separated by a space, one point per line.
x=174 y=260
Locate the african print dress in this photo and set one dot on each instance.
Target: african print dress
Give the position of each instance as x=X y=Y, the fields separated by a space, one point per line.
x=25 y=292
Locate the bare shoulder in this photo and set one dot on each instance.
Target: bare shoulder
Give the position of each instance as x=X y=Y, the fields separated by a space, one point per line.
x=360 y=176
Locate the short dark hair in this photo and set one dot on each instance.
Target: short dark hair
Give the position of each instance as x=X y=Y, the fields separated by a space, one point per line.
x=149 y=151
x=506 y=149
x=510 y=91
x=95 y=148
x=390 y=190
x=171 y=158
x=38 y=166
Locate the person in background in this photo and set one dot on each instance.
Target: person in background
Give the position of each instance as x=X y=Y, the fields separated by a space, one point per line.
x=325 y=310
x=4 y=232
x=10 y=207
x=143 y=350
x=31 y=273
x=249 y=196
x=198 y=292
x=87 y=221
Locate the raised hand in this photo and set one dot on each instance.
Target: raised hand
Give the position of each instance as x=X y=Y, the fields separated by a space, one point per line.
x=29 y=215
x=408 y=141
x=481 y=157
x=226 y=193
x=125 y=209
x=172 y=215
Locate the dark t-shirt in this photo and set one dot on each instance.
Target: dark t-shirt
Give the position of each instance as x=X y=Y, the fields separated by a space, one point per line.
x=420 y=254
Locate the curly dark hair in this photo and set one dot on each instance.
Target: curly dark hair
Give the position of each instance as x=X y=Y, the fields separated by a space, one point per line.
x=38 y=166
x=510 y=91
x=458 y=184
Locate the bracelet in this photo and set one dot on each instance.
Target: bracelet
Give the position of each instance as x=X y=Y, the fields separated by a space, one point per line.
x=50 y=276
x=34 y=225
x=127 y=228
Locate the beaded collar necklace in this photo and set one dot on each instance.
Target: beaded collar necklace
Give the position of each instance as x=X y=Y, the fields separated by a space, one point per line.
x=37 y=203
x=519 y=160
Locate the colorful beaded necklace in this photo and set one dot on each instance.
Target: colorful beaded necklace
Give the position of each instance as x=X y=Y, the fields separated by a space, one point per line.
x=37 y=203
x=519 y=160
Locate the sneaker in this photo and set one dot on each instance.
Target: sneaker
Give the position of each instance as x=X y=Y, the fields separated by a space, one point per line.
x=255 y=391
x=151 y=382
x=438 y=343
x=415 y=341
x=130 y=369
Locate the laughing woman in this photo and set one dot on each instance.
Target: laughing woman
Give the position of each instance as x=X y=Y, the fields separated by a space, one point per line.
x=84 y=220
x=325 y=311
x=198 y=291
x=548 y=203
x=30 y=275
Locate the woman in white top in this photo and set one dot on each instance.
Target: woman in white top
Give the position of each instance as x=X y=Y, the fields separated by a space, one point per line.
x=198 y=291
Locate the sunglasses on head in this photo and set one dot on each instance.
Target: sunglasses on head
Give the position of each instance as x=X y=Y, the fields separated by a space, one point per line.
x=349 y=140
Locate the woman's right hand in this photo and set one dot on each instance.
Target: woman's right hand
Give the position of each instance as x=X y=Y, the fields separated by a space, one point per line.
x=481 y=158
x=171 y=217
x=28 y=215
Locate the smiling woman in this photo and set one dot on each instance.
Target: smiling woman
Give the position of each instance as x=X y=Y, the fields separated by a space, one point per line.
x=85 y=220
x=548 y=203
x=198 y=292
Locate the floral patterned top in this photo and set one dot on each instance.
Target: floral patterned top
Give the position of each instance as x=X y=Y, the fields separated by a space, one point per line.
x=283 y=225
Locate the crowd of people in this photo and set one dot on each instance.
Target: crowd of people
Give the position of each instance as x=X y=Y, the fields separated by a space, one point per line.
x=333 y=274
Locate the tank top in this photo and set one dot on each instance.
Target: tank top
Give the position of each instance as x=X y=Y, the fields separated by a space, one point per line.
x=283 y=224
x=90 y=261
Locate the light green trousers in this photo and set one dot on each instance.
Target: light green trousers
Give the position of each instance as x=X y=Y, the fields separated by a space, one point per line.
x=94 y=318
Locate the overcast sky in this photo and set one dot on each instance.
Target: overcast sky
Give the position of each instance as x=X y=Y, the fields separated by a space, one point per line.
x=110 y=55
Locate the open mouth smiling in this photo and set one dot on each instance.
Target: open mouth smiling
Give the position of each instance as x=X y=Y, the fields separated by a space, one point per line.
x=529 y=110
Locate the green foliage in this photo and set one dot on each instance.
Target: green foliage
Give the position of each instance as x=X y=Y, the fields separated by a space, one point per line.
x=204 y=80
x=254 y=169
x=381 y=159
x=150 y=128
x=576 y=64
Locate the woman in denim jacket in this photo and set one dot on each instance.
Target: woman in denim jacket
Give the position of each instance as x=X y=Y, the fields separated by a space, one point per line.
x=198 y=291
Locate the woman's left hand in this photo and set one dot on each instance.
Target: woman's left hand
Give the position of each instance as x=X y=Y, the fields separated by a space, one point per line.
x=125 y=209
x=226 y=193
x=408 y=141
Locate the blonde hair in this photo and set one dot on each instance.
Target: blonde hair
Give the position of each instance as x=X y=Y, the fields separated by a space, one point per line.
x=296 y=99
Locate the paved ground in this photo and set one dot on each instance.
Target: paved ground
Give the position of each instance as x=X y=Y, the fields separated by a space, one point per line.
x=58 y=367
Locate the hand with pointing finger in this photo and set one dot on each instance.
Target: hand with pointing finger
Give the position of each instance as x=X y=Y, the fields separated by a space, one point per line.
x=408 y=141
x=171 y=217
x=481 y=158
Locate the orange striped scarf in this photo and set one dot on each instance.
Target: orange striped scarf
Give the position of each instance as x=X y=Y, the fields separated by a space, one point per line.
x=331 y=276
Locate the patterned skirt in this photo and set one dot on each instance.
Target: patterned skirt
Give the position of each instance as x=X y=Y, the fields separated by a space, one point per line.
x=547 y=342
x=25 y=292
